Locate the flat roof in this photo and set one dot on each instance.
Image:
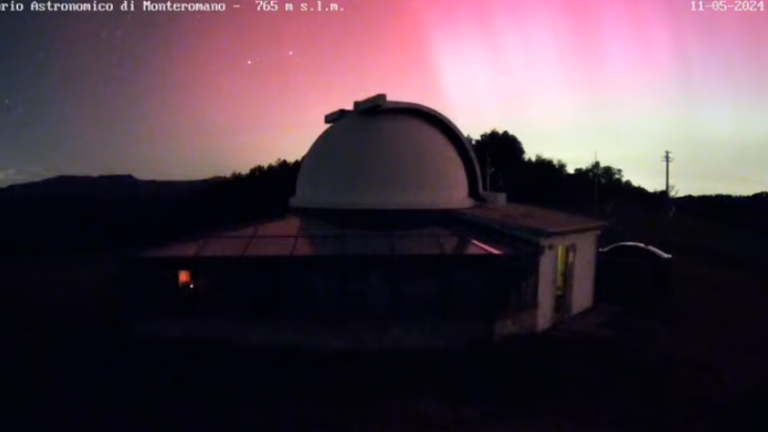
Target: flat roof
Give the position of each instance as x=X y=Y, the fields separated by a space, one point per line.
x=301 y=236
x=534 y=220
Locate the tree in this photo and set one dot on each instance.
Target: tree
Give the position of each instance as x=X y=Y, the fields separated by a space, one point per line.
x=674 y=192
x=500 y=156
x=543 y=180
x=606 y=174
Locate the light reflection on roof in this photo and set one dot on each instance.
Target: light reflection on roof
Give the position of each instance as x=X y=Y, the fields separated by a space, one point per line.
x=294 y=236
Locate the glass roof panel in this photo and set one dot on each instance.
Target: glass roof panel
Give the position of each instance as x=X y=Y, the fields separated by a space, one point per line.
x=242 y=232
x=312 y=227
x=184 y=249
x=452 y=245
x=270 y=246
x=473 y=249
x=358 y=232
x=488 y=248
x=367 y=245
x=318 y=245
x=418 y=245
x=285 y=227
x=427 y=231
x=223 y=246
x=300 y=236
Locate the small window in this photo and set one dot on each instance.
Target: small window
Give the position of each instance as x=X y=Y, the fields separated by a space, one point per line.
x=185 y=279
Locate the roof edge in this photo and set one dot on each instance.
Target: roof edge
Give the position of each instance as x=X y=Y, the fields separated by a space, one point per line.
x=297 y=203
x=512 y=228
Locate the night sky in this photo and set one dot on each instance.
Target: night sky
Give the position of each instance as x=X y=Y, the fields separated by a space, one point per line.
x=190 y=95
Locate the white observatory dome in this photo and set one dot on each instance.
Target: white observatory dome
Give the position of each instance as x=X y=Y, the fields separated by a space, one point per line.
x=387 y=155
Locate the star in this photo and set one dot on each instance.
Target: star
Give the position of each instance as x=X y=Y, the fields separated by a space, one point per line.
x=290 y=53
x=11 y=109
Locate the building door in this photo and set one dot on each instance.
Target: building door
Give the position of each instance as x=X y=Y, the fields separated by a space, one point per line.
x=566 y=260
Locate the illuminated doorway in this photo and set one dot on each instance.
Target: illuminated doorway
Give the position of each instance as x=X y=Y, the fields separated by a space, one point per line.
x=566 y=259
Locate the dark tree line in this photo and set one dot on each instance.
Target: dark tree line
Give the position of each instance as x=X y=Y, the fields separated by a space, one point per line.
x=152 y=212
x=601 y=189
x=118 y=212
x=263 y=191
x=506 y=167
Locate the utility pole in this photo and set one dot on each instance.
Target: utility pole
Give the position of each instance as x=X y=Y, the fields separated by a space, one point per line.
x=596 y=176
x=667 y=159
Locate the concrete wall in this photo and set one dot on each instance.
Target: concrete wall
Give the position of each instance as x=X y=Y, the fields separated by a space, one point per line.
x=580 y=299
x=586 y=261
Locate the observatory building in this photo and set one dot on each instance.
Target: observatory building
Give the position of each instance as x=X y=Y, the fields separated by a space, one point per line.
x=391 y=241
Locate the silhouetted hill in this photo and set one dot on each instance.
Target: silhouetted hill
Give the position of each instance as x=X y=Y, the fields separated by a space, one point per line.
x=107 y=186
x=723 y=206
x=745 y=212
x=71 y=213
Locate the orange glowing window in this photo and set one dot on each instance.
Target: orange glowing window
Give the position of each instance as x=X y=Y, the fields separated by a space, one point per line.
x=185 y=277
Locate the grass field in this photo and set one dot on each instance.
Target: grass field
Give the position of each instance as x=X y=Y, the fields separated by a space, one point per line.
x=698 y=367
